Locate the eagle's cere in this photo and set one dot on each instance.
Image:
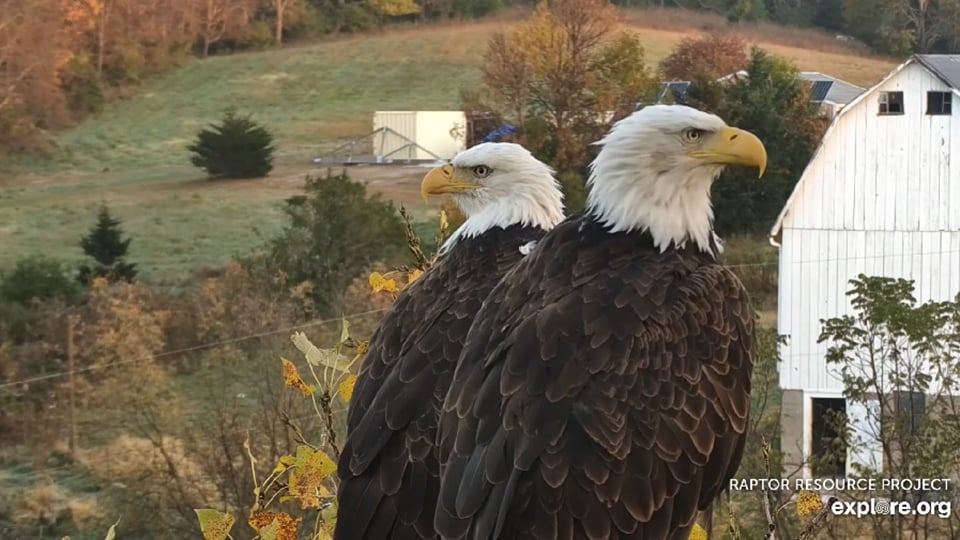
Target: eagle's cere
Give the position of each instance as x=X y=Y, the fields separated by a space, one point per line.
x=388 y=467
x=604 y=389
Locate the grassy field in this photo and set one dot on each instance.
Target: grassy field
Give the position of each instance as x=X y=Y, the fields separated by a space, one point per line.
x=312 y=97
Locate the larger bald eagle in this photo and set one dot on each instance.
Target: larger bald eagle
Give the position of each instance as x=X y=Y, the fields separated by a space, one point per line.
x=604 y=389
x=388 y=468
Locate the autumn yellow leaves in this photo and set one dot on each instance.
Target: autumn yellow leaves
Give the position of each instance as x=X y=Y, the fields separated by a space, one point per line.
x=307 y=477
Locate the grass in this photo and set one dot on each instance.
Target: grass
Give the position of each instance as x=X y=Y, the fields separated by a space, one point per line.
x=313 y=97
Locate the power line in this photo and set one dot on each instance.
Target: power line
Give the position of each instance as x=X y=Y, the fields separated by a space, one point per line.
x=38 y=472
x=186 y=349
x=370 y=312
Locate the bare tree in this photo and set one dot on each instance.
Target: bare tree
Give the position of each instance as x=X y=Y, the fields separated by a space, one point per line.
x=14 y=65
x=506 y=71
x=215 y=17
x=96 y=15
x=280 y=7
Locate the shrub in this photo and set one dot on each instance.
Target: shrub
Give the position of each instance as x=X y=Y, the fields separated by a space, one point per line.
x=237 y=147
x=357 y=18
x=106 y=246
x=334 y=232
x=38 y=277
x=81 y=86
x=574 y=191
x=710 y=56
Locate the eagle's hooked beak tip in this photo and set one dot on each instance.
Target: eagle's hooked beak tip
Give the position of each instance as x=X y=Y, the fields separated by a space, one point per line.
x=442 y=180
x=735 y=146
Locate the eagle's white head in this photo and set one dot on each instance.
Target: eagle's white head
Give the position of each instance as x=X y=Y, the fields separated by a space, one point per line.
x=497 y=184
x=655 y=169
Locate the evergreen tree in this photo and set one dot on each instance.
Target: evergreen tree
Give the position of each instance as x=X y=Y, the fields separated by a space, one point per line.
x=107 y=247
x=237 y=147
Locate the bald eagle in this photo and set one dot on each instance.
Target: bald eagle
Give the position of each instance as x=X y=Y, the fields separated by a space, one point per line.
x=604 y=389
x=388 y=467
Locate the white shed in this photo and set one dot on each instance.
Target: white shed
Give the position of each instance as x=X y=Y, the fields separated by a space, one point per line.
x=419 y=135
x=881 y=196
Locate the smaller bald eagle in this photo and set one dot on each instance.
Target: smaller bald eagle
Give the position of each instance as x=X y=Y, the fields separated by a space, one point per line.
x=604 y=389
x=388 y=468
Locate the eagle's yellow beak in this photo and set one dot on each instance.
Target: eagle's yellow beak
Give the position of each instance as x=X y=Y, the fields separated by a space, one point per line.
x=734 y=146
x=442 y=180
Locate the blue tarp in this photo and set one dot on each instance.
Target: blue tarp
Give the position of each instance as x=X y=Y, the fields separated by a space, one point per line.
x=498 y=134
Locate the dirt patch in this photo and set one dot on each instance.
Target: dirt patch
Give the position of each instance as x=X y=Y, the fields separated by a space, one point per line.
x=396 y=182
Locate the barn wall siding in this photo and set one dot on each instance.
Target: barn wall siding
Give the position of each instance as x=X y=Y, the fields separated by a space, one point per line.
x=876 y=200
x=885 y=172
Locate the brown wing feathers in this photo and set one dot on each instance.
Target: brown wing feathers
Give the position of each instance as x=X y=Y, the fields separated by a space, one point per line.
x=388 y=467
x=604 y=397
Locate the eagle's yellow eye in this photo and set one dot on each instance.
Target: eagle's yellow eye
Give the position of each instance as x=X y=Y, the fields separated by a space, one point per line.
x=692 y=135
x=481 y=171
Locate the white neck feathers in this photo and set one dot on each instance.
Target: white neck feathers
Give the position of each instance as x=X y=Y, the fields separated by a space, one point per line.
x=670 y=200
x=534 y=206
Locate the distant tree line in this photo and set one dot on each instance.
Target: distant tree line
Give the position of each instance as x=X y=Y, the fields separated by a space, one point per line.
x=60 y=60
x=564 y=74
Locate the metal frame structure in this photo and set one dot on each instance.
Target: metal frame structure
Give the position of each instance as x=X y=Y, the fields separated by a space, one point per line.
x=379 y=158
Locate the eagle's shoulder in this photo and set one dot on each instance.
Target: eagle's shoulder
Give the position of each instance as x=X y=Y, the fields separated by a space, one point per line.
x=610 y=351
x=388 y=466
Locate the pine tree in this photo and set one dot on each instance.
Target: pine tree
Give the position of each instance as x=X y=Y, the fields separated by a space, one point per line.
x=107 y=247
x=237 y=147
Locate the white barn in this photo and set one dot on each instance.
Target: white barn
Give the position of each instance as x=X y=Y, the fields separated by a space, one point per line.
x=881 y=196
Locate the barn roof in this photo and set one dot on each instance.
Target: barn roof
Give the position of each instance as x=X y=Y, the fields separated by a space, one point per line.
x=678 y=89
x=944 y=66
x=824 y=87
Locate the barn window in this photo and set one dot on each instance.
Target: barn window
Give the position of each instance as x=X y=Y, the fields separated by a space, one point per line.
x=828 y=451
x=891 y=102
x=939 y=102
x=911 y=405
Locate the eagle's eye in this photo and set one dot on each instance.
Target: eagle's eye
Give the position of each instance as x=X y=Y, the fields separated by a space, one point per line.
x=481 y=171
x=692 y=135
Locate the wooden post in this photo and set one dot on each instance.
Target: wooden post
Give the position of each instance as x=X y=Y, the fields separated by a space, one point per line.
x=71 y=321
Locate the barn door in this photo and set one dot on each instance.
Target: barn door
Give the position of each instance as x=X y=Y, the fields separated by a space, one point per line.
x=865 y=449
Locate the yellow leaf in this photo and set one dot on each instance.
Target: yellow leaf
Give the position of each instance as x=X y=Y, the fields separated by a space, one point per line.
x=444 y=222
x=288 y=460
x=275 y=525
x=214 y=525
x=808 y=503
x=345 y=331
x=376 y=281
x=414 y=275
x=323 y=534
x=112 y=531
x=320 y=357
x=697 y=533
x=346 y=387
x=312 y=467
x=291 y=377
x=394 y=8
x=379 y=283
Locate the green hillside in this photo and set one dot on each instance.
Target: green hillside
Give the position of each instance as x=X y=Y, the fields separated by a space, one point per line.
x=314 y=97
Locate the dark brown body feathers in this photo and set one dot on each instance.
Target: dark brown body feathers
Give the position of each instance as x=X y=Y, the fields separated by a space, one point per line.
x=603 y=393
x=388 y=467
